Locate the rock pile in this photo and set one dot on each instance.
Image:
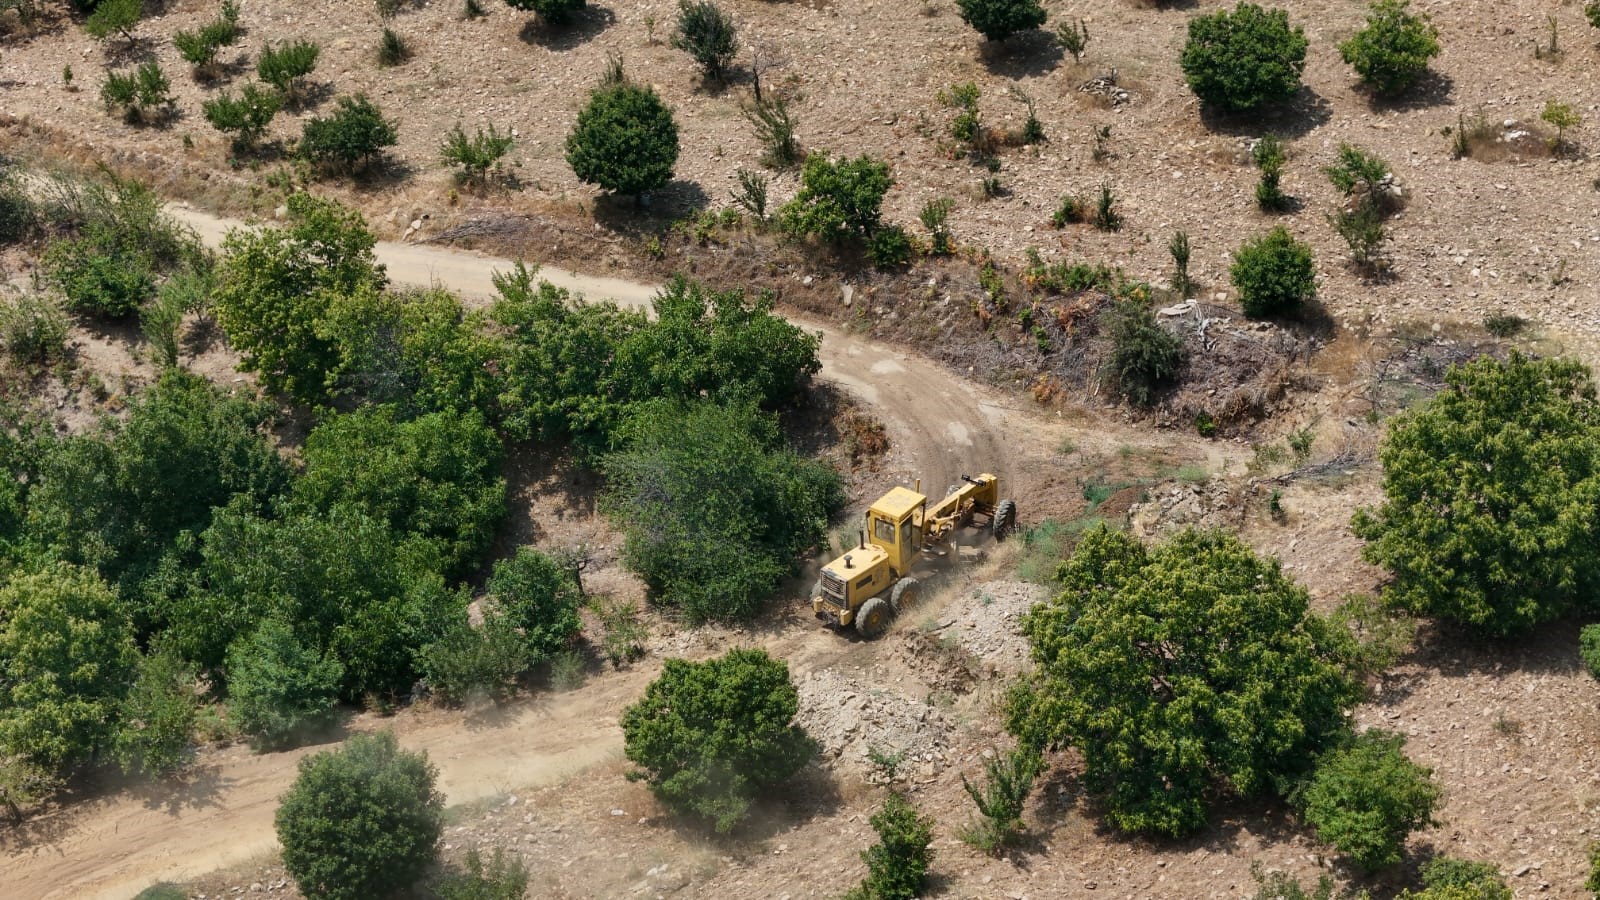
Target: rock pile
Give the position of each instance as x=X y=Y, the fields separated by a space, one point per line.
x=861 y=725
x=988 y=623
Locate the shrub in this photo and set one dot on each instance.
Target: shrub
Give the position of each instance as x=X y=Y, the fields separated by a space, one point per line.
x=1589 y=648
x=1366 y=798
x=1073 y=38
x=1481 y=566
x=1178 y=246
x=144 y=97
x=114 y=17
x=1241 y=60
x=350 y=139
x=710 y=737
x=1282 y=886
x=161 y=320
x=158 y=716
x=751 y=194
x=245 y=117
x=286 y=66
x=625 y=140
x=1560 y=116
x=934 y=216
x=1274 y=274
x=505 y=877
x=362 y=821
x=1182 y=672
x=469 y=661
x=1393 y=49
x=997 y=20
x=1106 y=217
x=1592 y=883
x=898 y=864
x=19 y=214
x=1001 y=801
x=1444 y=878
x=475 y=156
x=1359 y=175
x=540 y=598
x=775 y=128
x=707 y=34
x=890 y=247
x=1070 y=210
x=967 y=125
x=279 y=690
x=393 y=50
x=1270 y=158
x=838 y=200
x=99 y=281
x=551 y=12
x=33 y=328
x=1144 y=356
x=1362 y=230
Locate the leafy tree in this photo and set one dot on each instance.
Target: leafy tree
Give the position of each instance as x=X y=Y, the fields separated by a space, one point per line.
x=1393 y=49
x=468 y=661
x=1490 y=488
x=997 y=20
x=199 y=48
x=1367 y=797
x=540 y=598
x=476 y=155
x=625 y=140
x=436 y=476
x=1242 y=60
x=1269 y=158
x=158 y=716
x=838 y=200
x=245 y=117
x=1589 y=648
x=114 y=17
x=1560 y=116
x=707 y=34
x=710 y=737
x=1002 y=799
x=1144 y=356
x=1180 y=670
x=552 y=12
x=101 y=281
x=279 y=689
x=66 y=657
x=362 y=821
x=898 y=864
x=350 y=139
x=504 y=877
x=275 y=285
x=1444 y=878
x=286 y=66
x=714 y=508
x=143 y=96
x=1274 y=274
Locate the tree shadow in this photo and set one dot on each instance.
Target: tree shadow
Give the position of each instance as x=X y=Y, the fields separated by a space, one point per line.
x=385 y=173
x=1305 y=113
x=638 y=217
x=195 y=788
x=1549 y=649
x=586 y=24
x=1025 y=55
x=811 y=794
x=1431 y=89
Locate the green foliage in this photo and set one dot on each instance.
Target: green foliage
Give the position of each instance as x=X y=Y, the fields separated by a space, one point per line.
x=1380 y=634
x=1589 y=648
x=1002 y=799
x=476 y=155
x=625 y=140
x=1178 y=246
x=997 y=20
x=158 y=716
x=898 y=864
x=890 y=247
x=103 y=281
x=1393 y=49
x=707 y=34
x=624 y=630
x=393 y=50
x=66 y=658
x=1592 y=883
x=1245 y=59
x=279 y=690
x=715 y=509
x=552 y=12
x=967 y=125
x=540 y=597
x=775 y=128
x=751 y=194
x=711 y=737
x=114 y=17
x=1281 y=886
x=1073 y=38
x=350 y=139
x=1269 y=157
x=1358 y=173
x=33 y=328
x=161 y=320
x=19 y=213
x=1180 y=671
x=1444 y=878
x=934 y=217
x=1367 y=797
x=1106 y=217
x=200 y=48
x=1510 y=449
x=1144 y=356
x=362 y=821
x=435 y=477
x=505 y=877
x=1559 y=116
x=143 y=96
x=1274 y=274
x=839 y=200
x=286 y=66
x=1362 y=230
x=275 y=287
x=244 y=118
x=468 y=661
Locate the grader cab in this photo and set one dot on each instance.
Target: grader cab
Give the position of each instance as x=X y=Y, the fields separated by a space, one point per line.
x=867 y=586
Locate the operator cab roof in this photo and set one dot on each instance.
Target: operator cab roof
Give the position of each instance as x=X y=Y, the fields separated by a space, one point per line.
x=898 y=503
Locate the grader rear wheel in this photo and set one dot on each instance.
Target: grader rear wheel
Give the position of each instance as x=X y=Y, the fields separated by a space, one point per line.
x=1005 y=519
x=905 y=594
x=873 y=618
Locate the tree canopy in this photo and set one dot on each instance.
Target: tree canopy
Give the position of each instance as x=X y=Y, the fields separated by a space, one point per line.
x=1242 y=59
x=625 y=139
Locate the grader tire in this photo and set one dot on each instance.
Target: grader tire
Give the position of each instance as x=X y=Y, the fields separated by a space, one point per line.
x=905 y=594
x=872 y=619
x=1005 y=519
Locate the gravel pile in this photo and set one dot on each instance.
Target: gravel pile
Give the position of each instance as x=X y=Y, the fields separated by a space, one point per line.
x=988 y=624
x=855 y=721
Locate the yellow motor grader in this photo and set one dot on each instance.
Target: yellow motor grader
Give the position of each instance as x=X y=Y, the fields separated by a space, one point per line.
x=867 y=586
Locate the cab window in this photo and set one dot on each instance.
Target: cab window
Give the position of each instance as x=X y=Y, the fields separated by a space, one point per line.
x=905 y=533
x=883 y=530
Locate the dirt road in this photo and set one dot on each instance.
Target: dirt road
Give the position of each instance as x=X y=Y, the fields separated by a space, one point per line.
x=114 y=846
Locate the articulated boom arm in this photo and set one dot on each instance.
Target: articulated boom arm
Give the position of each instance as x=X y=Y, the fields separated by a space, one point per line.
x=975 y=495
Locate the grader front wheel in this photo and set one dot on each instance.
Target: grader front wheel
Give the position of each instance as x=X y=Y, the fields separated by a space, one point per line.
x=1005 y=519
x=873 y=618
x=905 y=594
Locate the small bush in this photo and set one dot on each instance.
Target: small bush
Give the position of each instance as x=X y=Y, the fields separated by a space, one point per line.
x=1360 y=176
x=1106 y=217
x=1144 y=356
x=388 y=9
x=1445 y=878
x=551 y=12
x=505 y=877
x=934 y=216
x=33 y=329
x=1069 y=211
x=1269 y=158
x=540 y=597
x=1274 y=274
x=707 y=34
x=1282 y=886
x=393 y=50
x=1073 y=38
x=245 y=118
x=1560 y=116
x=19 y=214
x=475 y=156
x=286 y=66
x=1393 y=49
x=161 y=320
x=1178 y=246
x=1245 y=59
x=967 y=125
x=99 y=281
x=1363 y=231
x=468 y=661
x=838 y=199
x=775 y=127
x=1379 y=635
x=143 y=97
x=751 y=194
x=1592 y=883
x=898 y=864
x=624 y=630
x=1504 y=326
x=114 y=17
x=350 y=139
x=278 y=689
x=1001 y=801
x=890 y=247
x=1367 y=798
x=156 y=734
x=997 y=20
x=1589 y=648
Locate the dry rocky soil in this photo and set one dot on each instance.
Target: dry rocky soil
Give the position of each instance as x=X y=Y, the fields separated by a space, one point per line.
x=1511 y=731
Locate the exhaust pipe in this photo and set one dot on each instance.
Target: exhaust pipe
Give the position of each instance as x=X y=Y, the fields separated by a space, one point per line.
x=863 y=536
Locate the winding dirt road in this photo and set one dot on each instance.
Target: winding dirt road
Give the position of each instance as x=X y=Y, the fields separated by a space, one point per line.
x=115 y=845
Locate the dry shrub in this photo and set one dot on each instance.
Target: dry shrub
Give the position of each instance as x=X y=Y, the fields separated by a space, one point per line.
x=864 y=437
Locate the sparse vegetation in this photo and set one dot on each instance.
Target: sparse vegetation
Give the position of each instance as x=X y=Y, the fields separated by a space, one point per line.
x=1244 y=59
x=1074 y=38
x=393 y=50
x=708 y=35
x=475 y=157
x=775 y=127
x=898 y=864
x=33 y=328
x=1008 y=782
x=1178 y=246
x=1446 y=878
x=934 y=216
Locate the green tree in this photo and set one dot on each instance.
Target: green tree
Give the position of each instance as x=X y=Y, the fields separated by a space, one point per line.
x=1367 y=797
x=1490 y=489
x=1589 y=648
x=898 y=864
x=66 y=657
x=156 y=734
x=468 y=661
x=1393 y=49
x=715 y=509
x=362 y=821
x=275 y=285
x=474 y=157
x=540 y=598
x=1002 y=798
x=710 y=737
x=997 y=20
x=244 y=118
x=436 y=476
x=350 y=139
x=114 y=17
x=625 y=140
x=1245 y=59
x=552 y=12
x=1274 y=274
x=838 y=200
x=707 y=34
x=279 y=690
x=1444 y=878
x=1178 y=671
x=1144 y=356
x=286 y=66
